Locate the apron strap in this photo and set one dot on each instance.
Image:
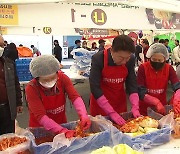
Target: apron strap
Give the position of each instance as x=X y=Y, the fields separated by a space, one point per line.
x=105 y=58
x=34 y=84
x=62 y=81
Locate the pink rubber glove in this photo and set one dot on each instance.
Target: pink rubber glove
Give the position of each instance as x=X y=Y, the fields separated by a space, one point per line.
x=108 y=109
x=176 y=102
x=52 y=126
x=70 y=133
x=81 y=110
x=156 y=102
x=134 y=99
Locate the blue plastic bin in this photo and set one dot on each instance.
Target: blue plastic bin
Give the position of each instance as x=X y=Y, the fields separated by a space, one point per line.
x=22 y=69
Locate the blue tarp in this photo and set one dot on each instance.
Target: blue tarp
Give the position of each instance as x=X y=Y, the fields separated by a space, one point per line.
x=148 y=140
x=107 y=135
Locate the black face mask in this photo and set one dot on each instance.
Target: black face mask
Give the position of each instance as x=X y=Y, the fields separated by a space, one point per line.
x=157 y=65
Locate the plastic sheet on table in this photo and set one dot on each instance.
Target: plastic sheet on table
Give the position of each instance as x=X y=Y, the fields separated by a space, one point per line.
x=148 y=140
x=105 y=135
x=37 y=133
x=126 y=116
x=155 y=138
x=168 y=119
x=61 y=144
x=153 y=114
x=102 y=137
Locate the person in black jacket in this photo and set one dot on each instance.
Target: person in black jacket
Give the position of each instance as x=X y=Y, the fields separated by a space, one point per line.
x=77 y=44
x=137 y=54
x=111 y=71
x=57 y=51
x=101 y=44
x=11 y=52
x=10 y=93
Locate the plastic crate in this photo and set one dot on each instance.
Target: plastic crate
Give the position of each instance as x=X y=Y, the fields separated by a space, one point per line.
x=22 y=69
x=25 y=78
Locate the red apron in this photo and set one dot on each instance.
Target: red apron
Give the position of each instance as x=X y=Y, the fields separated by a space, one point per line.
x=156 y=83
x=54 y=105
x=112 y=85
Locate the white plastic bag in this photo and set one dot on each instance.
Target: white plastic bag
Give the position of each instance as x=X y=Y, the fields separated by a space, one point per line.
x=18 y=148
x=84 y=145
x=167 y=120
x=82 y=61
x=19 y=130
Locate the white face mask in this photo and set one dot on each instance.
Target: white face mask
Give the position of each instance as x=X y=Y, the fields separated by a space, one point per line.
x=1 y=51
x=49 y=85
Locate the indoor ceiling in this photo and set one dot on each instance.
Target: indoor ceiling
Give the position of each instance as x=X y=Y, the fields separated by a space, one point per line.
x=168 y=5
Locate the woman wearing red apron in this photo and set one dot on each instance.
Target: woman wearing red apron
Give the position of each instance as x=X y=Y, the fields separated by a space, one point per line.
x=153 y=77
x=110 y=70
x=46 y=97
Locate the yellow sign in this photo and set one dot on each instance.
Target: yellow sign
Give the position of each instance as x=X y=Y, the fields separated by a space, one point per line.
x=99 y=17
x=47 y=30
x=3 y=30
x=8 y=15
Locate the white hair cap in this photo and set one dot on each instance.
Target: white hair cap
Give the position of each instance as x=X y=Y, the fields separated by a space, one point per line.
x=157 y=48
x=44 y=65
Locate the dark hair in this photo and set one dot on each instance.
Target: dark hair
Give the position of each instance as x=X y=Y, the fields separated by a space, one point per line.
x=177 y=41
x=12 y=46
x=123 y=42
x=77 y=41
x=93 y=44
x=145 y=41
x=56 y=41
x=156 y=39
x=32 y=46
x=20 y=45
x=101 y=41
x=5 y=42
x=166 y=40
x=84 y=42
x=161 y=41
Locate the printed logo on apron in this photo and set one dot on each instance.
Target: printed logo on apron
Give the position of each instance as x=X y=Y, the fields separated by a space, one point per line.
x=57 y=110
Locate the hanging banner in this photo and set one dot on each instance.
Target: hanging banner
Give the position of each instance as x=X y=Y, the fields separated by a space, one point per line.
x=91 y=15
x=3 y=30
x=94 y=33
x=129 y=17
x=61 y=16
x=8 y=15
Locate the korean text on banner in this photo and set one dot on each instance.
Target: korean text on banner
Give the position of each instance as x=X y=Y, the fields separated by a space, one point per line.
x=8 y=15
